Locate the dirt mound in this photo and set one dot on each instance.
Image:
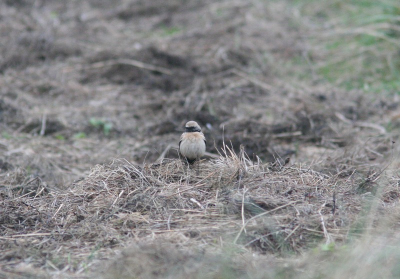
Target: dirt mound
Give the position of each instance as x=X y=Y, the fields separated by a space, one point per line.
x=264 y=208
x=293 y=161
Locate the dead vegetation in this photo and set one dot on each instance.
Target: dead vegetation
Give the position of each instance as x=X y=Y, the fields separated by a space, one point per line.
x=264 y=208
x=94 y=92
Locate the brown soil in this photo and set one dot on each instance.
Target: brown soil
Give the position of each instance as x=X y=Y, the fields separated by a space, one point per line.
x=93 y=93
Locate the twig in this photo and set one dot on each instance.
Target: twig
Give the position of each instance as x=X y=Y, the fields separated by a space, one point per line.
x=361 y=124
x=196 y=202
x=380 y=128
x=259 y=215
x=20 y=197
x=41 y=190
x=168 y=148
x=334 y=203
x=287 y=237
x=57 y=211
x=52 y=265
x=43 y=128
x=180 y=192
x=169 y=222
x=134 y=63
x=326 y=234
x=292 y=232
x=25 y=235
x=120 y=194
x=257 y=82
x=243 y=217
x=287 y=135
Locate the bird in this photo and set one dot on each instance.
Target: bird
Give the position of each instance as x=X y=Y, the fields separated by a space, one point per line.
x=192 y=144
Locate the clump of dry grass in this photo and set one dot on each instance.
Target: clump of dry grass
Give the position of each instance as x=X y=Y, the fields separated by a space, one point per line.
x=226 y=202
x=262 y=208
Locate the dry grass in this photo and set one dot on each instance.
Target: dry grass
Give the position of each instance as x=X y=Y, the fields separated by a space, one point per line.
x=233 y=203
x=302 y=180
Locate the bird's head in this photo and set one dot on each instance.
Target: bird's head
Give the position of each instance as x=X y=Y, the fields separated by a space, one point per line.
x=192 y=126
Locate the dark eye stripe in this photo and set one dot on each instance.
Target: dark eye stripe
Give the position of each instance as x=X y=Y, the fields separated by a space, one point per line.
x=192 y=129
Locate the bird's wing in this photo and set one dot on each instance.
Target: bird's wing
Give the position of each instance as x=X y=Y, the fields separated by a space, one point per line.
x=204 y=138
x=180 y=141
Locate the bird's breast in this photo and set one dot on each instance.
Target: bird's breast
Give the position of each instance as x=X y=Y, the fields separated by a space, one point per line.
x=192 y=145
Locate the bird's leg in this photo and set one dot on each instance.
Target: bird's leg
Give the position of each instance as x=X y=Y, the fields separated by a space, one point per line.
x=198 y=165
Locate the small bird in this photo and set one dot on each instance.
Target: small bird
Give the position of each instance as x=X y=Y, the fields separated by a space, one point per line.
x=192 y=145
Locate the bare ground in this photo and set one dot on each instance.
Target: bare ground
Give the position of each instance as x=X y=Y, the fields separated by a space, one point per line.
x=94 y=95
